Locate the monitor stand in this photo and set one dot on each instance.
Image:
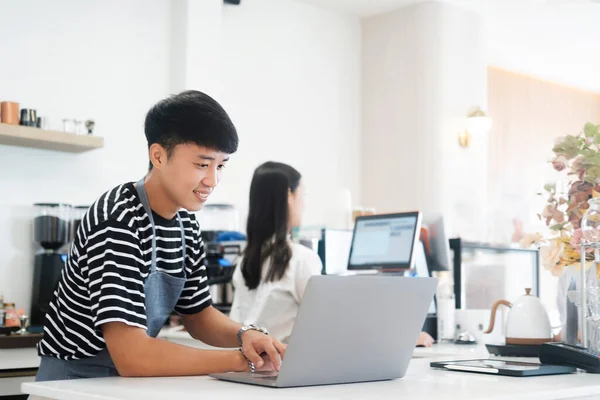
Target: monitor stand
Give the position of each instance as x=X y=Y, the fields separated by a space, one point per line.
x=360 y=272
x=392 y=272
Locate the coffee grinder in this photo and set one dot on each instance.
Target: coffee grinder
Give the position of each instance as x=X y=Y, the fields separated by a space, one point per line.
x=51 y=232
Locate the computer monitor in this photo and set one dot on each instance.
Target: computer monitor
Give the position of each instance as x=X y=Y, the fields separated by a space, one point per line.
x=422 y=270
x=438 y=254
x=385 y=242
x=335 y=251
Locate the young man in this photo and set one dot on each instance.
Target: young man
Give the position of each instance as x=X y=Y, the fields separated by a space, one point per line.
x=138 y=255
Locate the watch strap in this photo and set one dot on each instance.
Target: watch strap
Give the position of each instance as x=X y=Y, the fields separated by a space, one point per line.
x=250 y=327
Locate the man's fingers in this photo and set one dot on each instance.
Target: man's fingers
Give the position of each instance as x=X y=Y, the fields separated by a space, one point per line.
x=281 y=348
x=253 y=356
x=273 y=354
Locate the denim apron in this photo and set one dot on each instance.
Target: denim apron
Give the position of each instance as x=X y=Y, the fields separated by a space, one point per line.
x=161 y=292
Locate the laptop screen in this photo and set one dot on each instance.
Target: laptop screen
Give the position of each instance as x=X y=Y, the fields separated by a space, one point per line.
x=384 y=241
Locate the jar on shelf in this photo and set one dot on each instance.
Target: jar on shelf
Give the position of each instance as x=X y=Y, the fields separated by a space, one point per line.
x=11 y=316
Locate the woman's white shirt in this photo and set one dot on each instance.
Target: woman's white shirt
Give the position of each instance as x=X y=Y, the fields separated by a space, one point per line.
x=274 y=305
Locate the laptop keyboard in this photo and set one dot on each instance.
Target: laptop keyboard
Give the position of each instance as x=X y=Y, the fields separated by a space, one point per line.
x=271 y=376
x=267 y=378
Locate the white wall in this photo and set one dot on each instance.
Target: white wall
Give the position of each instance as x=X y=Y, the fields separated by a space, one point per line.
x=544 y=38
x=102 y=60
x=554 y=40
x=423 y=68
x=290 y=81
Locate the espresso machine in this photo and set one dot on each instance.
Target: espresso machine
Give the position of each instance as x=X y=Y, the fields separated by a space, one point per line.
x=223 y=245
x=51 y=233
x=221 y=260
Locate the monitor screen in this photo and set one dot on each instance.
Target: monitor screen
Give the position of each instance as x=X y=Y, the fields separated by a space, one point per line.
x=384 y=241
x=440 y=258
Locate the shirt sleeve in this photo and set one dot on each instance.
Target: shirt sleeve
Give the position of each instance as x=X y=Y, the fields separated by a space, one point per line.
x=195 y=296
x=309 y=264
x=115 y=278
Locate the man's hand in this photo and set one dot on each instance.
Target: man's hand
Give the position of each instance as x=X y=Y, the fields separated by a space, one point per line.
x=256 y=344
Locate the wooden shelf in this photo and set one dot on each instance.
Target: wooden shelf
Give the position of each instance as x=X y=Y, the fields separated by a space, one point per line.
x=26 y=136
x=20 y=341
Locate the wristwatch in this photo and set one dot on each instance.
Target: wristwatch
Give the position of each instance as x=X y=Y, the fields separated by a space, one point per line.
x=250 y=327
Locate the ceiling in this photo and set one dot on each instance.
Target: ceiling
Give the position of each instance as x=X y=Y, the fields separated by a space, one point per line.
x=556 y=40
x=366 y=8
x=362 y=8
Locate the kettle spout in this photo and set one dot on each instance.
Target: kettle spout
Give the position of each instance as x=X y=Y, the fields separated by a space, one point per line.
x=493 y=316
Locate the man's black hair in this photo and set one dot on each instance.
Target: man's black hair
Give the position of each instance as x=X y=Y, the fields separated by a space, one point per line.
x=190 y=117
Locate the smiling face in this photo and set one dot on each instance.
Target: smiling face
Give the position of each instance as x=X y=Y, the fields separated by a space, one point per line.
x=190 y=174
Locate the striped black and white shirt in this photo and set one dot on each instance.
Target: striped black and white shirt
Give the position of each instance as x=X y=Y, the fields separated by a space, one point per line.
x=109 y=260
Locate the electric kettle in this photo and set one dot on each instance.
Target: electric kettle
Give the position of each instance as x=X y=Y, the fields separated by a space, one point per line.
x=527 y=322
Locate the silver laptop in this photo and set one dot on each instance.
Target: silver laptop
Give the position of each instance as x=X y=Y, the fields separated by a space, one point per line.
x=350 y=329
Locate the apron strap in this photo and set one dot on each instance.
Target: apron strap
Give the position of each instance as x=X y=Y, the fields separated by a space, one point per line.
x=139 y=186
x=146 y=203
x=183 y=246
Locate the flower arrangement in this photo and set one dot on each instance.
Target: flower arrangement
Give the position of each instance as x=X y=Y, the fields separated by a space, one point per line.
x=579 y=157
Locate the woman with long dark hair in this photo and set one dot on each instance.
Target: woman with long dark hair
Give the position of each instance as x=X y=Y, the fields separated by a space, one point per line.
x=271 y=278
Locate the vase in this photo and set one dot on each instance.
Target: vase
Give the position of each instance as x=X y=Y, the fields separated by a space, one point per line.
x=576 y=315
x=571 y=327
x=590 y=223
x=588 y=292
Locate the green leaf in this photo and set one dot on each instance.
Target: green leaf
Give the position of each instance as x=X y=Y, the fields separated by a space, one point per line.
x=587 y=152
x=557 y=227
x=550 y=187
x=590 y=130
x=591 y=160
x=593 y=174
x=569 y=146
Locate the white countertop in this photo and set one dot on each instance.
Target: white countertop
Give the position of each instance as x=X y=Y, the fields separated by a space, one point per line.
x=28 y=357
x=19 y=358
x=25 y=358
x=421 y=382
